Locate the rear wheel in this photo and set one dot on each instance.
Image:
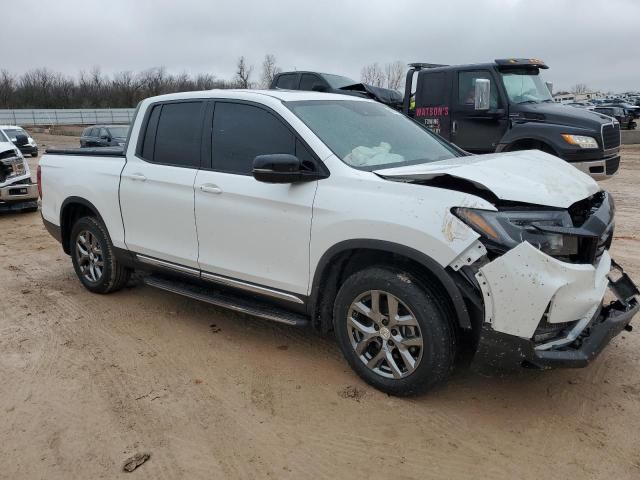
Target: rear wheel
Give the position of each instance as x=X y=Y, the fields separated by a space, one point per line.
x=93 y=257
x=393 y=332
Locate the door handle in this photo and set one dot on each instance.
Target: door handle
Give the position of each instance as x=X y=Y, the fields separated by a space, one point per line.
x=454 y=127
x=137 y=176
x=210 y=188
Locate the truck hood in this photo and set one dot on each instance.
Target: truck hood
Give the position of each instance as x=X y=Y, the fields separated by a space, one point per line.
x=528 y=176
x=563 y=115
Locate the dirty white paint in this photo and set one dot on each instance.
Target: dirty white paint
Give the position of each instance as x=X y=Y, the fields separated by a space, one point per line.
x=518 y=287
x=529 y=176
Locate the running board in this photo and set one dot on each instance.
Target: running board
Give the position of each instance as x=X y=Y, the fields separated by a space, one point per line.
x=249 y=306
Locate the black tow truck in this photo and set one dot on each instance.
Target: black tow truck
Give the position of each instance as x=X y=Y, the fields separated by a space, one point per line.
x=505 y=106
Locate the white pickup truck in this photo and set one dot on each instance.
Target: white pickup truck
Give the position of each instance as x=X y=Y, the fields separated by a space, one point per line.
x=340 y=213
x=17 y=192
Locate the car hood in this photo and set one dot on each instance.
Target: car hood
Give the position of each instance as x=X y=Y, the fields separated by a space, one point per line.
x=528 y=176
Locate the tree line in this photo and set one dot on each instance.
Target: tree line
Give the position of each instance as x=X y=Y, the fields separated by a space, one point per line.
x=43 y=88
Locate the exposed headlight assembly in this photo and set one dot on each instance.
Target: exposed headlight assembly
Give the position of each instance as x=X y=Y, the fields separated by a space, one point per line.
x=14 y=166
x=506 y=229
x=580 y=141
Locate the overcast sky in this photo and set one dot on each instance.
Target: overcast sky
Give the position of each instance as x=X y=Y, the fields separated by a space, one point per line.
x=586 y=41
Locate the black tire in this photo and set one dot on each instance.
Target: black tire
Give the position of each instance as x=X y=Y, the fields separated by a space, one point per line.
x=114 y=276
x=34 y=154
x=30 y=210
x=438 y=351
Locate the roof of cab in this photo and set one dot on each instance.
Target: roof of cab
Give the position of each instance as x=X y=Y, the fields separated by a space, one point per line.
x=258 y=95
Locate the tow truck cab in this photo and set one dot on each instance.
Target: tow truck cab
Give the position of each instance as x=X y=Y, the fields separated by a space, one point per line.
x=506 y=106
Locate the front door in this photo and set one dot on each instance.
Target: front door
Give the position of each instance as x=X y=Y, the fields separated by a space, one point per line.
x=156 y=190
x=472 y=130
x=248 y=230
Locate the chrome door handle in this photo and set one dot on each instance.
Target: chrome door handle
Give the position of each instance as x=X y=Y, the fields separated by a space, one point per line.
x=137 y=176
x=210 y=188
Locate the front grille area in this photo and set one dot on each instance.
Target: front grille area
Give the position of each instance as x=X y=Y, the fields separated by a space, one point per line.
x=611 y=136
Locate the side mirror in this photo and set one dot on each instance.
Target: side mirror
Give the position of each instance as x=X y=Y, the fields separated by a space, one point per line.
x=283 y=168
x=21 y=140
x=277 y=168
x=319 y=87
x=482 y=94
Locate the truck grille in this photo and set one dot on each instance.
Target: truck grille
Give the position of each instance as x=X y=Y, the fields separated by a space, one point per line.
x=611 y=136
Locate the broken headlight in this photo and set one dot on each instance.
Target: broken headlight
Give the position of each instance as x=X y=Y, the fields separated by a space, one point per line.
x=13 y=166
x=503 y=230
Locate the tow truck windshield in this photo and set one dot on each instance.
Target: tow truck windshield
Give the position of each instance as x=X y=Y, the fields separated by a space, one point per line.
x=525 y=86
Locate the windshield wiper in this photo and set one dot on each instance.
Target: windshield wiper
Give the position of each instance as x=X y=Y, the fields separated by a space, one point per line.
x=528 y=101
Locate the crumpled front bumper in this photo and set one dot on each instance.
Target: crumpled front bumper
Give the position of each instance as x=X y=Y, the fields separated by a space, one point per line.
x=509 y=352
x=557 y=293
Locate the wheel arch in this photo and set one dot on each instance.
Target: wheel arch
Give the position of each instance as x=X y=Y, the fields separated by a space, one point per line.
x=344 y=258
x=71 y=210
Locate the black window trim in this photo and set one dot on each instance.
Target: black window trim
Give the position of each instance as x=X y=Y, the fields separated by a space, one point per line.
x=297 y=75
x=207 y=165
x=145 y=126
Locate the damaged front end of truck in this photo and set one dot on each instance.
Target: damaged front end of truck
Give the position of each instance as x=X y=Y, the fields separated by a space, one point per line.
x=539 y=275
x=17 y=191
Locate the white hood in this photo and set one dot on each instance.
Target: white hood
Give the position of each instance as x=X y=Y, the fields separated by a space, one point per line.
x=528 y=176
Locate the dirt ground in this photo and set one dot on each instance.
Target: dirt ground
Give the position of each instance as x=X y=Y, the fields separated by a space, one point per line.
x=87 y=381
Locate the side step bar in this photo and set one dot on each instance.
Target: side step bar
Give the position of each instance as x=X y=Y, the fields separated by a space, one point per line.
x=247 y=305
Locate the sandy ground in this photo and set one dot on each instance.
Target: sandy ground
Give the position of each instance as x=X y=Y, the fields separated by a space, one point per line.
x=87 y=381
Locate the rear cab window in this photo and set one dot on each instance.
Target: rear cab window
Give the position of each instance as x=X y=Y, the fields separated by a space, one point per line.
x=173 y=134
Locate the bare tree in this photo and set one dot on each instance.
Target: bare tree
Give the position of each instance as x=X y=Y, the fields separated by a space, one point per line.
x=372 y=74
x=393 y=73
x=579 y=88
x=269 y=70
x=243 y=73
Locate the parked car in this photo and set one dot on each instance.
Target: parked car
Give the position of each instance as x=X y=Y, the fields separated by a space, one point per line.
x=329 y=83
x=13 y=132
x=341 y=213
x=104 y=136
x=17 y=191
x=624 y=119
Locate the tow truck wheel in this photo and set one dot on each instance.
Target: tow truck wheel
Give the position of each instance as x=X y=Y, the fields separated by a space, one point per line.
x=394 y=332
x=93 y=257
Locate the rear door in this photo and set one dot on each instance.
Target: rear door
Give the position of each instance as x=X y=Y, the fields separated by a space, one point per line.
x=433 y=100
x=156 y=190
x=248 y=230
x=472 y=130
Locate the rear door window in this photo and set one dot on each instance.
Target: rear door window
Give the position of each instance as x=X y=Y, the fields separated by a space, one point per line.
x=241 y=132
x=288 y=81
x=178 y=135
x=308 y=80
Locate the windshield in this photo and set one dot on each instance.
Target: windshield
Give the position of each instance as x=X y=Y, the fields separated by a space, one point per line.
x=336 y=81
x=119 y=132
x=12 y=132
x=370 y=136
x=525 y=86
x=3 y=137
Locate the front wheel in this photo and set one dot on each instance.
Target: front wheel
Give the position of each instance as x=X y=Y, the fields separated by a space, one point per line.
x=394 y=332
x=93 y=257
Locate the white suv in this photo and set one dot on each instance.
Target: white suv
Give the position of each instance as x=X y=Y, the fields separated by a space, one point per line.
x=338 y=212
